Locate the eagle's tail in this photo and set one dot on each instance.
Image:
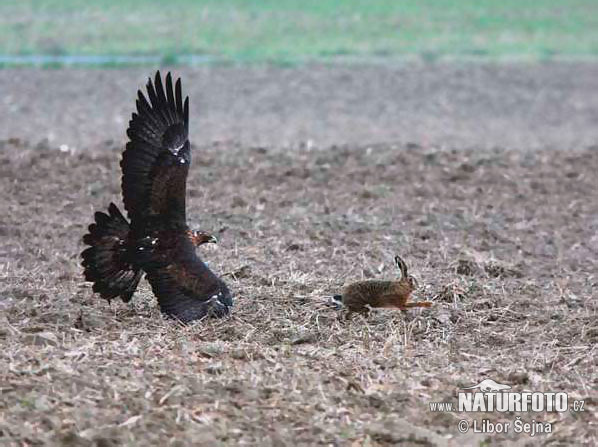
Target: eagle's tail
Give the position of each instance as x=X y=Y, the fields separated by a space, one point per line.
x=105 y=262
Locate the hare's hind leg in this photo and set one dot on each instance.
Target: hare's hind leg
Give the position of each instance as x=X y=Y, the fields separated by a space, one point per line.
x=417 y=304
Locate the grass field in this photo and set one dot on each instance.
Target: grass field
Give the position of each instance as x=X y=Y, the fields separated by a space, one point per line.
x=294 y=30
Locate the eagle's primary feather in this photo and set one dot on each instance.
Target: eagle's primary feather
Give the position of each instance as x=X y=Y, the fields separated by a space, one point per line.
x=157 y=240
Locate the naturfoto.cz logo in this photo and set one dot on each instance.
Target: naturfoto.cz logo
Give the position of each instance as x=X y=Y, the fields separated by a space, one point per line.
x=490 y=396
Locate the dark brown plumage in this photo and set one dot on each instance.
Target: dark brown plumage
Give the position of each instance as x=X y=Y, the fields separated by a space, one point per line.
x=359 y=295
x=157 y=241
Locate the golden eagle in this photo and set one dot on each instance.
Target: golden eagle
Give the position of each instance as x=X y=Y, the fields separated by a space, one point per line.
x=157 y=240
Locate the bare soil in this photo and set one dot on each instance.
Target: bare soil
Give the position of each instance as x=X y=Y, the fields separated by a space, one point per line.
x=434 y=105
x=501 y=233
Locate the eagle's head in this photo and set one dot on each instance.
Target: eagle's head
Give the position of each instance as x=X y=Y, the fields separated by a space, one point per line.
x=201 y=237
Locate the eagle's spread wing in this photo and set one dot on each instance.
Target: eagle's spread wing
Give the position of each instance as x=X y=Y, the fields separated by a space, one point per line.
x=155 y=165
x=156 y=160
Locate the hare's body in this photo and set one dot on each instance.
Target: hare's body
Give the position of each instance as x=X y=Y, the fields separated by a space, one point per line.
x=358 y=296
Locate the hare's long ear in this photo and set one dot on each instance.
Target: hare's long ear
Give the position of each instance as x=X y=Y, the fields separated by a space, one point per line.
x=402 y=266
x=414 y=282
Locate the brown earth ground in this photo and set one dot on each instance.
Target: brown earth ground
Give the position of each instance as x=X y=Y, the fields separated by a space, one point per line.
x=502 y=235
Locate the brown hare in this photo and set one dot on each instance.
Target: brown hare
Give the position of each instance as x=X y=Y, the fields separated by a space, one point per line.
x=359 y=295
